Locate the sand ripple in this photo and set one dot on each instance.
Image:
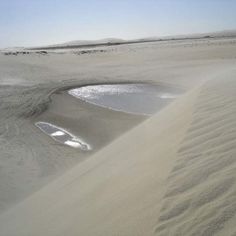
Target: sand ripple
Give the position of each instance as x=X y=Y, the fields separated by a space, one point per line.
x=201 y=196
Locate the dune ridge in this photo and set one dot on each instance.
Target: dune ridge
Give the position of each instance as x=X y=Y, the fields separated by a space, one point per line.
x=161 y=178
x=177 y=178
x=25 y=166
x=200 y=197
x=117 y=190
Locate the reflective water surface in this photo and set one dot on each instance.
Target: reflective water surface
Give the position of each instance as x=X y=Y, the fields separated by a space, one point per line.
x=125 y=106
x=63 y=136
x=140 y=98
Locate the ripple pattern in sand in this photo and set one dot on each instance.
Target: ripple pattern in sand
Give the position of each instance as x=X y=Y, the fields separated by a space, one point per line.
x=201 y=192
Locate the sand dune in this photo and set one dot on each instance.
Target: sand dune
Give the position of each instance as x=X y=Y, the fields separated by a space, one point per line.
x=173 y=174
x=200 y=197
x=29 y=159
x=176 y=179
x=119 y=189
x=116 y=41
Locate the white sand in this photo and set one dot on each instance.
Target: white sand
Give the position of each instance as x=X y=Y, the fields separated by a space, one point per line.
x=174 y=174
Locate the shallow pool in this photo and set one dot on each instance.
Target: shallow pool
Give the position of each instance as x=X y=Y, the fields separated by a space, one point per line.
x=63 y=136
x=139 y=98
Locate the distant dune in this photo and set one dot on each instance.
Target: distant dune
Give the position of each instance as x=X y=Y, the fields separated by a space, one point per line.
x=92 y=42
x=116 y=41
x=176 y=178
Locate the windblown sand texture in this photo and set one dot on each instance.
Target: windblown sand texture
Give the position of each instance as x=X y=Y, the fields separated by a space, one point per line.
x=200 y=197
x=171 y=174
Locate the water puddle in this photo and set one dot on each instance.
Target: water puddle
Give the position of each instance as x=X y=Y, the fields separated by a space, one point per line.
x=140 y=98
x=134 y=102
x=63 y=136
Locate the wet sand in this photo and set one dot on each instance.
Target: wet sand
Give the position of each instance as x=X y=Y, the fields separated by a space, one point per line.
x=170 y=174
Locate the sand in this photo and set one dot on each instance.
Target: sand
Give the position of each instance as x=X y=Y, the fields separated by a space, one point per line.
x=172 y=174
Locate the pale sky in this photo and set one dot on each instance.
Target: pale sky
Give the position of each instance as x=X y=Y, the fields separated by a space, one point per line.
x=42 y=22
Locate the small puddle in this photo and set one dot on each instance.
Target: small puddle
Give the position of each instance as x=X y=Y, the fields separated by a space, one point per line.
x=140 y=98
x=97 y=126
x=63 y=136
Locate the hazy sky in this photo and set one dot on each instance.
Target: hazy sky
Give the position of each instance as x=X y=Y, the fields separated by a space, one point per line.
x=39 y=22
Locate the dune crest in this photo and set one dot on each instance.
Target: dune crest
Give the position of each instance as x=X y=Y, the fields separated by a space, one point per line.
x=200 y=198
x=119 y=189
x=171 y=175
x=177 y=178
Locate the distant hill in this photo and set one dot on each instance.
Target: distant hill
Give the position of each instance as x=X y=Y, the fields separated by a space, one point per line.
x=116 y=41
x=92 y=42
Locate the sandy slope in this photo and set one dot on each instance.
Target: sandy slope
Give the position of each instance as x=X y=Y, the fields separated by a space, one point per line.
x=177 y=178
x=30 y=160
x=117 y=191
x=171 y=175
x=200 y=196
